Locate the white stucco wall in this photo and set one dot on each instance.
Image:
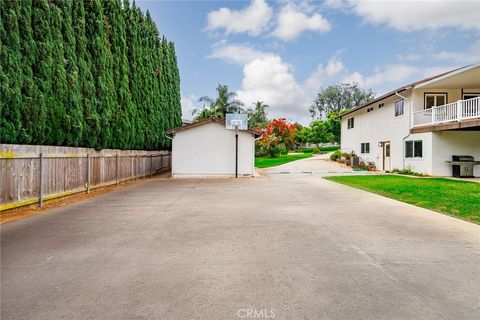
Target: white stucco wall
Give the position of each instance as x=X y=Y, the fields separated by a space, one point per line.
x=209 y=151
x=448 y=143
x=424 y=164
x=377 y=126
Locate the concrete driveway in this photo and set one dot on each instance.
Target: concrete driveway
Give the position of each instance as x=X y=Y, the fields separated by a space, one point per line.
x=292 y=246
x=320 y=165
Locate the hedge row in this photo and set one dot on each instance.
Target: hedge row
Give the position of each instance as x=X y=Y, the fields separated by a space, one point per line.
x=85 y=73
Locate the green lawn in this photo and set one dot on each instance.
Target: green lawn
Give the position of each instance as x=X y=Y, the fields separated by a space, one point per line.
x=453 y=197
x=266 y=162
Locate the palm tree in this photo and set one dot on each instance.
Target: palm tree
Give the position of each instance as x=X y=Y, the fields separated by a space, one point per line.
x=206 y=112
x=257 y=117
x=225 y=102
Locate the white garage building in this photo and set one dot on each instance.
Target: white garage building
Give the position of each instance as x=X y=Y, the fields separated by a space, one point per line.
x=207 y=149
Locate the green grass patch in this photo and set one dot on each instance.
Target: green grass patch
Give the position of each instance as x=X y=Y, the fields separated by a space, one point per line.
x=266 y=162
x=457 y=198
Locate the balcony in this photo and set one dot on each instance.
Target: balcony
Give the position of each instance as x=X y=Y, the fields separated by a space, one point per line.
x=455 y=115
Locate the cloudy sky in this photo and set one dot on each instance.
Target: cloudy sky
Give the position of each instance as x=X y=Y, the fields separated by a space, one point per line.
x=282 y=52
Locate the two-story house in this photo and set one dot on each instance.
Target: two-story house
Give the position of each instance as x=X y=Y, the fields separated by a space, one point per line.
x=420 y=125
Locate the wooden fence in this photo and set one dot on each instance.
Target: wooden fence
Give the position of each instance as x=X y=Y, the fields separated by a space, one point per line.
x=30 y=174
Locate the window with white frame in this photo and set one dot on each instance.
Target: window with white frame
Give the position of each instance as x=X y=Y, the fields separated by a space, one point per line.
x=414 y=149
x=435 y=100
x=365 y=147
x=350 y=123
x=399 y=108
x=467 y=96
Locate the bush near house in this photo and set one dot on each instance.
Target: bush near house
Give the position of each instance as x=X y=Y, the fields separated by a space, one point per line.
x=407 y=171
x=453 y=197
x=336 y=155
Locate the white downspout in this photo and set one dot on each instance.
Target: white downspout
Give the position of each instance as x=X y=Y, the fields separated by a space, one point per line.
x=409 y=126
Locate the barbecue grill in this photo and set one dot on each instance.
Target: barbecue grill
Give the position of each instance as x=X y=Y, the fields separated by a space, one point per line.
x=462 y=166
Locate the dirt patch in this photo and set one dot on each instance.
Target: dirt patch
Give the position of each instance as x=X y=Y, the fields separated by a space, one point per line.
x=34 y=209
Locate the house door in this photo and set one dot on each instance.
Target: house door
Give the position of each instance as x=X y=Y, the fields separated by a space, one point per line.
x=386 y=156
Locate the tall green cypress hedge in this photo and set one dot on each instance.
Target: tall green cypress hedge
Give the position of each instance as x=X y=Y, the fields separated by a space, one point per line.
x=87 y=73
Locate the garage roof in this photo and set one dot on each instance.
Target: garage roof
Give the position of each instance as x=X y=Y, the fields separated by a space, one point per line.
x=206 y=121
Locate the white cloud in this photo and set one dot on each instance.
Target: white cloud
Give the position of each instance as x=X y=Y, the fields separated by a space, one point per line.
x=252 y=19
x=188 y=105
x=419 y=15
x=335 y=4
x=466 y=56
x=292 y=21
x=392 y=76
x=409 y=57
x=236 y=53
x=471 y=55
x=333 y=69
x=270 y=79
x=380 y=80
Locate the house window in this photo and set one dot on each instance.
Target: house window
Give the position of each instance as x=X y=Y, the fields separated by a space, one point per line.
x=380 y=105
x=467 y=96
x=398 y=107
x=435 y=100
x=414 y=149
x=365 y=147
x=370 y=109
x=350 y=123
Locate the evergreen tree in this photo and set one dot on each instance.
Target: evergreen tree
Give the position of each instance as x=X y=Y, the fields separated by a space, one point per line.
x=74 y=122
x=105 y=104
x=57 y=115
x=91 y=119
x=42 y=70
x=121 y=125
x=10 y=73
x=85 y=73
x=30 y=93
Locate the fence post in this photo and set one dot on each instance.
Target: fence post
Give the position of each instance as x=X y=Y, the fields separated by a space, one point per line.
x=132 y=172
x=144 y=167
x=88 y=173
x=136 y=164
x=40 y=191
x=151 y=161
x=116 y=167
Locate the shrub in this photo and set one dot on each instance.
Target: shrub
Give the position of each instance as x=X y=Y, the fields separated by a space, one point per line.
x=329 y=148
x=407 y=171
x=319 y=150
x=336 y=155
x=277 y=150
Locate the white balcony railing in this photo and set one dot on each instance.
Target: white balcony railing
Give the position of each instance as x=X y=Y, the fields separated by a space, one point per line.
x=455 y=111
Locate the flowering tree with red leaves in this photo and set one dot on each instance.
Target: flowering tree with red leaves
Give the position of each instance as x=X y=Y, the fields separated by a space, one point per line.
x=278 y=136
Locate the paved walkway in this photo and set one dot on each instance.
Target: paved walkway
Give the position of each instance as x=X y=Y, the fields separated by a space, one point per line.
x=320 y=165
x=211 y=249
